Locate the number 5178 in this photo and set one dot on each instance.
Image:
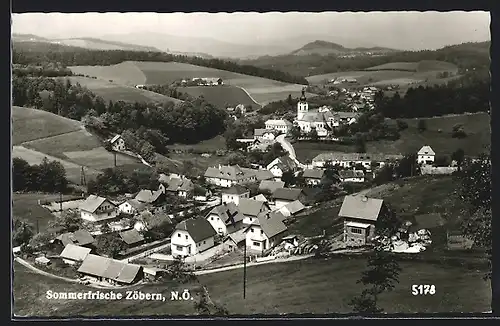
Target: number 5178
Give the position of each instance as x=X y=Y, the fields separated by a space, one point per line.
x=423 y=289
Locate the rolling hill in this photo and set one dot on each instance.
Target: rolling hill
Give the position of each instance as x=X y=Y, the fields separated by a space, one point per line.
x=131 y=73
x=327 y=48
x=421 y=66
x=222 y=96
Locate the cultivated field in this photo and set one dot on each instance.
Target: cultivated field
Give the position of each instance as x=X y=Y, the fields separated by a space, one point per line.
x=30 y=124
x=113 y=91
x=309 y=286
x=141 y=72
x=221 y=96
x=424 y=65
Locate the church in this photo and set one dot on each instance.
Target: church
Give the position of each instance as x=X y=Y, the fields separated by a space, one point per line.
x=322 y=120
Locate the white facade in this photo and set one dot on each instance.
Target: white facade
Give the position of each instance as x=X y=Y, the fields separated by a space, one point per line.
x=302 y=109
x=226 y=183
x=127 y=208
x=279 y=203
x=257 y=240
x=353 y=179
x=313 y=181
x=233 y=198
x=118 y=145
x=306 y=127
x=280 y=125
x=103 y=212
x=348 y=163
x=182 y=244
x=425 y=159
x=217 y=223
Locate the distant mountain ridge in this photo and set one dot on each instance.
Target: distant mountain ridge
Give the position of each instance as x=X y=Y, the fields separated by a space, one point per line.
x=326 y=48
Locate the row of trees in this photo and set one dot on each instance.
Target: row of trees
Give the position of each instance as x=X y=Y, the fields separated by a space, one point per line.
x=29 y=53
x=170 y=91
x=48 y=176
x=47 y=70
x=116 y=181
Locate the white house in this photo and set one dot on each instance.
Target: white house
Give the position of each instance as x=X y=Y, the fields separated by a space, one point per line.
x=234 y=194
x=290 y=242
x=117 y=143
x=281 y=165
x=192 y=236
x=425 y=155
x=285 y=196
x=225 y=218
x=74 y=254
x=180 y=186
x=313 y=177
x=265 y=134
x=265 y=232
x=292 y=208
x=281 y=125
x=352 y=176
x=96 y=208
x=226 y=176
x=350 y=160
x=251 y=208
x=131 y=206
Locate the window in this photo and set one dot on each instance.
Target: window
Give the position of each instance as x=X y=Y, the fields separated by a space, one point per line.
x=256 y=244
x=187 y=237
x=211 y=219
x=204 y=242
x=109 y=213
x=179 y=235
x=178 y=248
x=261 y=232
x=356 y=230
x=251 y=230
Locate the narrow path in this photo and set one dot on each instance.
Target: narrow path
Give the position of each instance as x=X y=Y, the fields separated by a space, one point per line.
x=275 y=261
x=47 y=137
x=250 y=96
x=287 y=146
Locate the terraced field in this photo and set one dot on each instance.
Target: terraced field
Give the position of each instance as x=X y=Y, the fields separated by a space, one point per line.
x=132 y=73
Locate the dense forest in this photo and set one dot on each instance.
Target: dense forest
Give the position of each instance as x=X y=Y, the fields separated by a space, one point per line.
x=39 y=53
x=48 y=176
x=469 y=94
x=465 y=56
x=47 y=70
x=148 y=127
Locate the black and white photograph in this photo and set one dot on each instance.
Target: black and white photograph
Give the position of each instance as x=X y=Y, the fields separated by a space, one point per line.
x=245 y=163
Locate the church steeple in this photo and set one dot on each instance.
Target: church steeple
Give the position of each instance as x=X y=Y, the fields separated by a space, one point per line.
x=303 y=96
x=302 y=106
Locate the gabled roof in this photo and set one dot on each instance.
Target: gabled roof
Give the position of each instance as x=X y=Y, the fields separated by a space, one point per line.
x=264 y=175
x=148 y=196
x=131 y=236
x=344 y=174
x=250 y=207
x=177 y=184
x=313 y=117
x=115 y=138
x=259 y=197
x=198 y=228
x=109 y=268
x=228 y=213
x=92 y=203
x=270 y=185
x=291 y=194
x=227 y=172
x=261 y=132
x=426 y=150
x=237 y=236
x=272 y=223
x=294 y=207
x=79 y=237
x=73 y=252
x=280 y=122
x=154 y=220
x=313 y=173
x=361 y=207
x=285 y=163
x=235 y=190
x=135 y=204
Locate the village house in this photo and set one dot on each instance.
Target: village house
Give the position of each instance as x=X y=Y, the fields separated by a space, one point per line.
x=117 y=143
x=132 y=238
x=226 y=176
x=426 y=155
x=281 y=125
x=96 y=208
x=265 y=232
x=72 y=254
x=234 y=194
x=292 y=208
x=192 y=236
x=313 y=177
x=225 y=218
x=234 y=240
x=81 y=238
x=42 y=260
x=269 y=186
x=265 y=134
x=263 y=174
x=290 y=242
x=252 y=208
x=146 y=222
x=208 y=81
x=259 y=197
x=284 y=196
x=182 y=187
x=351 y=176
x=153 y=197
x=113 y=271
x=281 y=165
x=360 y=215
x=350 y=160
x=131 y=206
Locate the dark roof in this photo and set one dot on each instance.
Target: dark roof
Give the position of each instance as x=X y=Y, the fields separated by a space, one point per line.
x=313 y=173
x=251 y=207
x=228 y=213
x=235 y=190
x=198 y=228
x=361 y=207
x=351 y=174
x=272 y=223
x=79 y=237
x=73 y=252
x=270 y=185
x=228 y=172
x=131 y=236
x=291 y=194
x=285 y=163
x=92 y=203
x=264 y=175
x=109 y=268
x=176 y=184
x=427 y=221
x=135 y=204
x=148 y=196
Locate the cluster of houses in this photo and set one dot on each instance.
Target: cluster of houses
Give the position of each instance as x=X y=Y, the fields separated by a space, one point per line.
x=356 y=100
x=204 y=81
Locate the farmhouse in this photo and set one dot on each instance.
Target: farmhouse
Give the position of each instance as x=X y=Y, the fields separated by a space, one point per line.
x=151 y=221
x=265 y=134
x=252 y=208
x=182 y=187
x=284 y=196
x=226 y=176
x=263 y=175
x=269 y=186
x=209 y=81
x=234 y=240
x=292 y=208
x=225 y=218
x=80 y=238
x=234 y=194
x=117 y=143
x=351 y=176
x=281 y=125
x=281 y=165
x=192 y=236
x=313 y=177
x=350 y=160
x=265 y=232
x=360 y=214
x=74 y=254
x=131 y=206
x=426 y=155
x=132 y=238
x=96 y=208
x=110 y=270
x=150 y=197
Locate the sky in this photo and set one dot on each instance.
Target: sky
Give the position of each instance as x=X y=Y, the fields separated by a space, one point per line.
x=401 y=30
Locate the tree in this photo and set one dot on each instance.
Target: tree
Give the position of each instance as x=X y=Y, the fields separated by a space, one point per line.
x=288 y=178
x=402 y=125
x=105 y=229
x=40 y=240
x=205 y=306
x=110 y=245
x=360 y=144
x=458 y=131
x=70 y=221
x=179 y=271
x=458 y=156
x=295 y=132
x=23 y=232
x=313 y=134
x=407 y=166
x=422 y=125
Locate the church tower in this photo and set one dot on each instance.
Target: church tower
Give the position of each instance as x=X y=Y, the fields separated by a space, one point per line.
x=302 y=106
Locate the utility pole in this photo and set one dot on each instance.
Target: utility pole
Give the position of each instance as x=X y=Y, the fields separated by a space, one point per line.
x=115 y=158
x=245 y=271
x=60 y=200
